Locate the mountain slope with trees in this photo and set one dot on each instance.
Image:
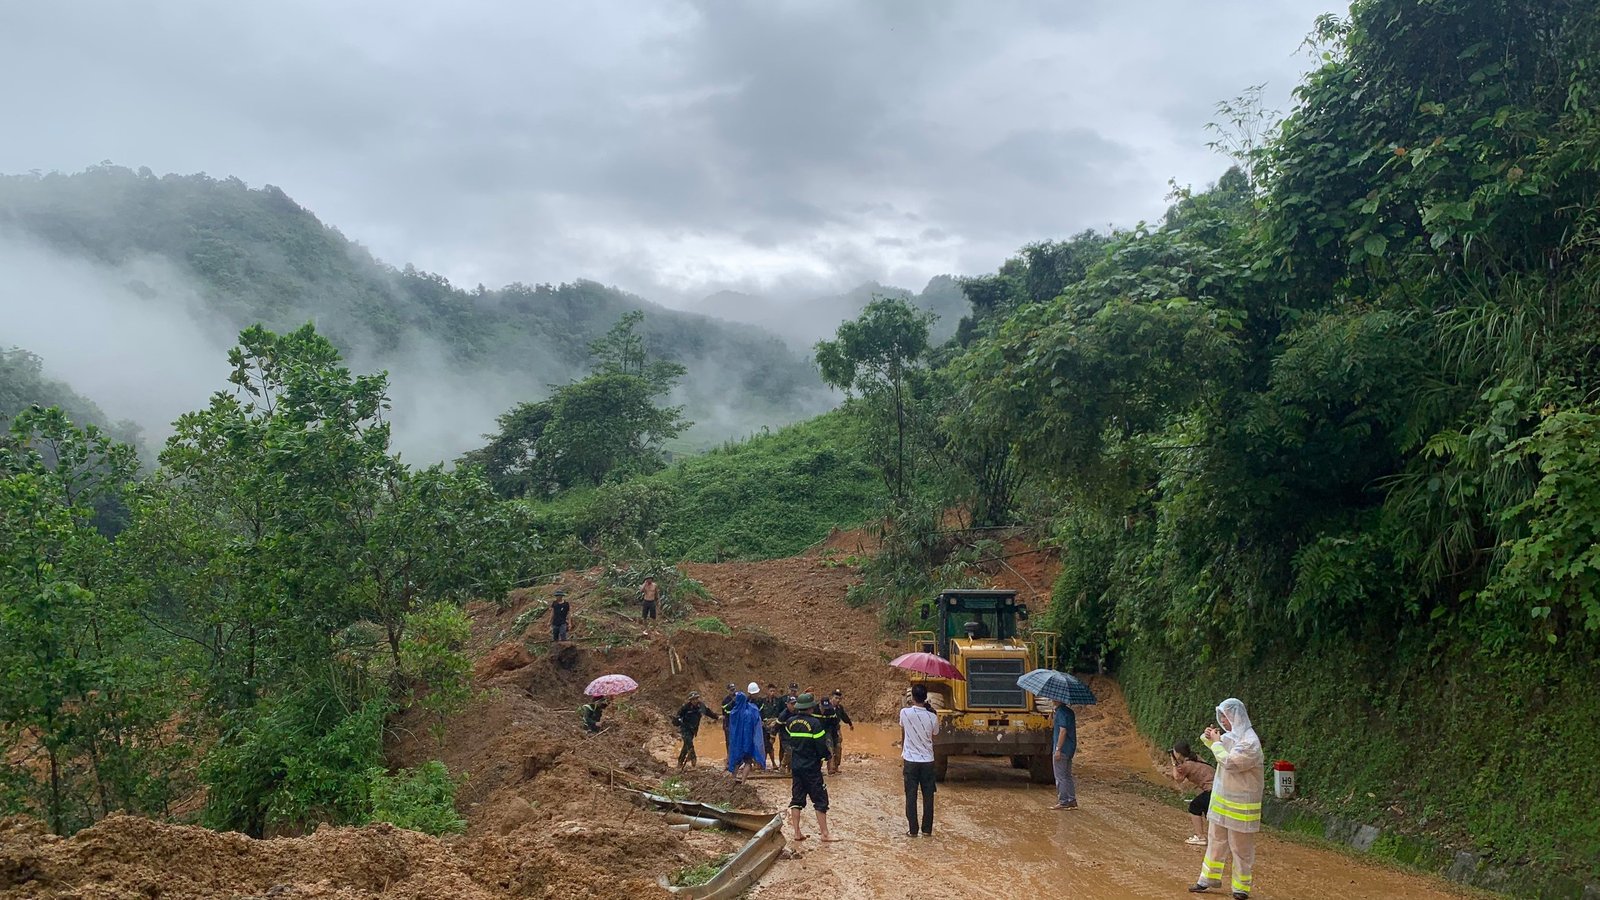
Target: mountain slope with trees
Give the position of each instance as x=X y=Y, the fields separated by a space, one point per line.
x=253 y=255
x=23 y=384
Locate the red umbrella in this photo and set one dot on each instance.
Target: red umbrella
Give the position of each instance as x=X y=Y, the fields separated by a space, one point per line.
x=611 y=686
x=928 y=664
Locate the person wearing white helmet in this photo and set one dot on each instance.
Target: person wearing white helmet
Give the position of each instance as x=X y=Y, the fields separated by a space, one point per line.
x=1234 y=816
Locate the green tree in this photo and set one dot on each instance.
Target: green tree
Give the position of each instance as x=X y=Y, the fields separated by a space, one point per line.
x=290 y=553
x=878 y=357
x=77 y=683
x=622 y=351
x=608 y=426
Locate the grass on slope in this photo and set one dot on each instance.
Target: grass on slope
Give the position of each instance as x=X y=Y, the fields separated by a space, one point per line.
x=770 y=496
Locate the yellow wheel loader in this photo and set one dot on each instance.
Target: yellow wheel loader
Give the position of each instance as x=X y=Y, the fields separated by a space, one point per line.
x=980 y=633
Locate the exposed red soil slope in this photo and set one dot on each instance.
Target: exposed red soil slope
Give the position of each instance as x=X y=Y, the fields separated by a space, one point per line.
x=542 y=822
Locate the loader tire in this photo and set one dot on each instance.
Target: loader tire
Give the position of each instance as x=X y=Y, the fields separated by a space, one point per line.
x=1040 y=771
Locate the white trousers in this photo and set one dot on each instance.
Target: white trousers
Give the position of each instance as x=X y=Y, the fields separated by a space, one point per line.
x=1220 y=843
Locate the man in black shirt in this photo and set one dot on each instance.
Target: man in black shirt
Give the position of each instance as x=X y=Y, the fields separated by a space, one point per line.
x=727 y=707
x=784 y=744
x=831 y=713
x=771 y=708
x=559 y=610
x=688 y=722
x=808 y=750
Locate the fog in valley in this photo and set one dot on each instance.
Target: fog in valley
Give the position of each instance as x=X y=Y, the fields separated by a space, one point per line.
x=773 y=165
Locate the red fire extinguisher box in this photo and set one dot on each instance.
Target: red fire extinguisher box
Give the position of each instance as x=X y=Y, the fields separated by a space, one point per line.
x=1283 y=785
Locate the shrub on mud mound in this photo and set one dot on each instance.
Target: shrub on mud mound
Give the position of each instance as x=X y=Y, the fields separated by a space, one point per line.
x=292 y=762
x=421 y=799
x=710 y=625
x=620 y=581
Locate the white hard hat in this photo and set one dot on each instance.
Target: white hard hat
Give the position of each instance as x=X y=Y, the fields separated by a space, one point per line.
x=754 y=688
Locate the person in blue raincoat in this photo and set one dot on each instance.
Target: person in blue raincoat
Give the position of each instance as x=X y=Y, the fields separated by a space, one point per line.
x=744 y=737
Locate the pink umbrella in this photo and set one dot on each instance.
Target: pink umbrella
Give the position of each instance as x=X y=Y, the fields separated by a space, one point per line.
x=611 y=686
x=928 y=664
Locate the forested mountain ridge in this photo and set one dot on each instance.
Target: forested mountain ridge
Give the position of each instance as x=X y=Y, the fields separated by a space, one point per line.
x=807 y=321
x=24 y=384
x=255 y=255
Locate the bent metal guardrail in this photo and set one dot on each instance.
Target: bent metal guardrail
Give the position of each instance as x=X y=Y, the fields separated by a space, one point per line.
x=746 y=867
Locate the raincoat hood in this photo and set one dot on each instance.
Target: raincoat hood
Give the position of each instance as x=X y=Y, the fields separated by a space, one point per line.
x=744 y=733
x=1238 y=727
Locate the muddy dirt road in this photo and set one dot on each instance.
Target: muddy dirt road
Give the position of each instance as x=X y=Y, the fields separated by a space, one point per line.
x=994 y=836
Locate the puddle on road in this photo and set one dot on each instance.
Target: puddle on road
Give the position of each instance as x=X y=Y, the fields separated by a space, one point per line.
x=996 y=836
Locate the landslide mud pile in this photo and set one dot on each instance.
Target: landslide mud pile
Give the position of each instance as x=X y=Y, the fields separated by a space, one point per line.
x=126 y=857
x=545 y=819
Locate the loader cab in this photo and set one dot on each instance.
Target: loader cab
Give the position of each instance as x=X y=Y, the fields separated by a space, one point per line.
x=978 y=615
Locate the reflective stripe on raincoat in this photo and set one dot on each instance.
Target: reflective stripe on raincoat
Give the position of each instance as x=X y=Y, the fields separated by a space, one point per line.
x=1241 y=772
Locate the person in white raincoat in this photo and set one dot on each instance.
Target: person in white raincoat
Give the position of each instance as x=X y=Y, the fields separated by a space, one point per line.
x=1235 y=813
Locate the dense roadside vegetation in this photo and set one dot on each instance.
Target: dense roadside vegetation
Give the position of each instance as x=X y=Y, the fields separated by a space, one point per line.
x=248 y=620
x=1326 y=436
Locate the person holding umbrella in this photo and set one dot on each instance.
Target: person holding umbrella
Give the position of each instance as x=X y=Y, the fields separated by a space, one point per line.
x=1064 y=690
x=591 y=712
x=1063 y=746
x=918 y=724
x=1235 y=812
x=602 y=689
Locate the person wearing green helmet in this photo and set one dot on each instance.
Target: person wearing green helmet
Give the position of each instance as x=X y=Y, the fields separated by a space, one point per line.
x=591 y=712
x=808 y=750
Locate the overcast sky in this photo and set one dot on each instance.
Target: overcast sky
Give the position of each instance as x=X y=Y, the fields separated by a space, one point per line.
x=671 y=148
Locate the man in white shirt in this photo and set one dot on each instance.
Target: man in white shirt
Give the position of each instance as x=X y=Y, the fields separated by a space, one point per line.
x=918 y=724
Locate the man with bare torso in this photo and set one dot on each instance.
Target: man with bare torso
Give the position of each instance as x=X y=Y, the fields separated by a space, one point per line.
x=649 y=596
